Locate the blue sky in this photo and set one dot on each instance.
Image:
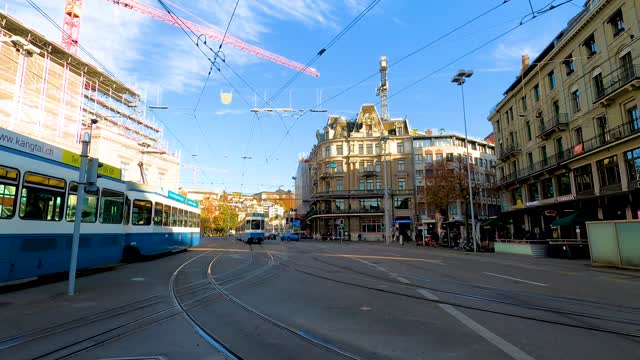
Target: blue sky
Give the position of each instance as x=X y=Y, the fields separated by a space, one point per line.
x=161 y=62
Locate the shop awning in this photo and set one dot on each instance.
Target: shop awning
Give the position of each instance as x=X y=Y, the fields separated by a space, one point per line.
x=572 y=220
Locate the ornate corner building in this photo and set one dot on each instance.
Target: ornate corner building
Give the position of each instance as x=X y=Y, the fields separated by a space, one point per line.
x=568 y=129
x=347 y=177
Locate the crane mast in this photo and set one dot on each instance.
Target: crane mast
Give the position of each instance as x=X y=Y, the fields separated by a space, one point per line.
x=383 y=89
x=71 y=25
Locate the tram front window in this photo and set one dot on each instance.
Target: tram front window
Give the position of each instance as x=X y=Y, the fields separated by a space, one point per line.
x=257 y=224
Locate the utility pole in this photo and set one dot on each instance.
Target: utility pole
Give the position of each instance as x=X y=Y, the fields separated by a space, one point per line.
x=387 y=199
x=75 y=239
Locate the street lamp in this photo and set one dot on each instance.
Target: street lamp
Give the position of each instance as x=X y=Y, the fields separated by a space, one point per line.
x=387 y=199
x=459 y=79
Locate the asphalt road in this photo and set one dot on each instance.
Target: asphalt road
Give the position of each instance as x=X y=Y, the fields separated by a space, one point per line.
x=320 y=300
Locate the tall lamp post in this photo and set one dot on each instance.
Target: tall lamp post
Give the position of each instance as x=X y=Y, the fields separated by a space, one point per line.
x=459 y=79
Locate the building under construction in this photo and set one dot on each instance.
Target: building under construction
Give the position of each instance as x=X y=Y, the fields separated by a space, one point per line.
x=52 y=95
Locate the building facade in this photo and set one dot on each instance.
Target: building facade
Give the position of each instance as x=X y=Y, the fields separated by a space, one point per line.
x=429 y=149
x=348 y=179
x=52 y=95
x=303 y=186
x=568 y=129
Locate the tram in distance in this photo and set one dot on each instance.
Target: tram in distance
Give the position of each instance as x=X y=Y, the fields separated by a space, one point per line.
x=37 y=211
x=251 y=228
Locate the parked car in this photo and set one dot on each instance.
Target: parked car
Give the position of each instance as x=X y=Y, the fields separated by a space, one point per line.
x=290 y=237
x=272 y=236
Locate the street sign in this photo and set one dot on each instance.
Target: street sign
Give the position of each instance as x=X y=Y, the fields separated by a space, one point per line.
x=332 y=165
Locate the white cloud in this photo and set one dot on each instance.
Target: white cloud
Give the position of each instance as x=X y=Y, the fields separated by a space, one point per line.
x=126 y=42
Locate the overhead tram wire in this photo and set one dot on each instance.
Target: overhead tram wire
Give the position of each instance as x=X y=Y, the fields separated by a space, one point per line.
x=403 y=58
x=322 y=51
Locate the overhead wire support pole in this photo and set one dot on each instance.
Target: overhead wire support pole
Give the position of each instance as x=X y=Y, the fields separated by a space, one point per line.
x=75 y=239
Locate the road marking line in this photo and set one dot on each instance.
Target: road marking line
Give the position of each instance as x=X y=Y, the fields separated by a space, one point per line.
x=516 y=279
x=496 y=340
x=403 y=280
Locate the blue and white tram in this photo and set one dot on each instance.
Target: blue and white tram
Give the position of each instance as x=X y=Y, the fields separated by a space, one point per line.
x=37 y=209
x=155 y=223
x=251 y=229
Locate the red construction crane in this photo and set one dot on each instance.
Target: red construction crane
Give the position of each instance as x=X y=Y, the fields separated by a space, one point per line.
x=71 y=25
x=213 y=34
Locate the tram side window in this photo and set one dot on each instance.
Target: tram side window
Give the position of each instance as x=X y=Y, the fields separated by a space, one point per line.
x=8 y=186
x=42 y=198
x=111 y=207
x=141 y=212
x=198 y=220
x=180 y=218
x=89 y=204
x=157 y=214
x=174 y=216
x=192 y=219
x=166 y=218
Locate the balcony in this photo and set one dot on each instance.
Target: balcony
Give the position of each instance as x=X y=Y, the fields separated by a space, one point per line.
x=618 y=82
x=533 y=168
x=559 y=122
x=325 y=175
x=402 y=192
x=614 y=134
x=319 y=212
x=347 y=193
x=509 y=150
x=369 y=173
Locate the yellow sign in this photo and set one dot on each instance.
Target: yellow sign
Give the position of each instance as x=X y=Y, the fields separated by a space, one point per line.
x=73 y=159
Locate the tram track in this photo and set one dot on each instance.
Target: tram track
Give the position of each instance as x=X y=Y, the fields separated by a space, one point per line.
x=121 y=325
x=629 y=334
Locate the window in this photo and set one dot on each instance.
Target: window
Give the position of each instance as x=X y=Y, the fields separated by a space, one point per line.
x=361 y=184
x=577 y=136
x=161 y=178
x=327 y=186
x=575 y=100
x=569 y=64
x=633 y=117
x=369 y=149
x=42 y=198
x=327 y=151
x=370 y=204
x=608 y=171
x=141 y=212
x=559 y=148
x=552 y=80
x=531 y=163
x=516 y=196
x=633 y=164
x=402 y=184
x=124 y=169
x=369 y=184
x=439 y=157
x=378 y=184
x=448 y=156
x=399 y=131
x=529 y=137
x=181 y=217
x=9 y=178
x=400 y=147
x=523 y=103
x=556 y=110
x=377 y=166
x=401 y=166
x=583 y=179
x=428 y=158
x=340 y=204
x=166 y=217
x=543 y=154
x=564 y=184
x=453 y=209
x=89 y=206
x=361 y=149
x=547 y=188
x=536 y=92
x=401 y=203
x=510 y=115
x=339 y=149
x=257 y=224
x=534 y=192
x=370 y=165
x=339 y=185
x=590 y=45
x=157 y=213
x=377 y=148
x=370 y=225
x=497 y=125
x=174 y=216
x=339 y=167
x=419 y=173
x=598 y=84
x=617 y=22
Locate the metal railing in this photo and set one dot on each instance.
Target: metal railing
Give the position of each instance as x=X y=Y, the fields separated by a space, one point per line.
x=616 y=80
x=345 y=211
x=509 y=150
x=558 y=121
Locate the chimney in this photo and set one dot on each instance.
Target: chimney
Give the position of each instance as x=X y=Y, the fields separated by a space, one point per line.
x=525 y=63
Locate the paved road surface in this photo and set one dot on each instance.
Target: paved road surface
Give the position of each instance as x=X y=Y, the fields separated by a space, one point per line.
x=319 y=300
